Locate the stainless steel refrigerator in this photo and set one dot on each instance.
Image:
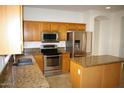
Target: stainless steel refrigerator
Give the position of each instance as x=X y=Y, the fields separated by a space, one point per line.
x=78 y=43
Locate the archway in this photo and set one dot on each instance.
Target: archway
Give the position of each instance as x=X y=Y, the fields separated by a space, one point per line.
x=100 y=35
x=121 y=50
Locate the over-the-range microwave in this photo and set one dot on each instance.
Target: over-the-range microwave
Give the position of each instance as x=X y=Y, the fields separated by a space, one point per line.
x=49 y=36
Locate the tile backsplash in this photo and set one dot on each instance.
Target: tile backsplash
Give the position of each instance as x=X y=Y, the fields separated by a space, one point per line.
x=39 y=44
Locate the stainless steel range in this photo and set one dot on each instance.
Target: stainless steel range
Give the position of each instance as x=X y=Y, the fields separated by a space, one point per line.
x=52 y=60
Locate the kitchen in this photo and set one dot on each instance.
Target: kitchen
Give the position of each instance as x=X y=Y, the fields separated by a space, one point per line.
x=50 y=39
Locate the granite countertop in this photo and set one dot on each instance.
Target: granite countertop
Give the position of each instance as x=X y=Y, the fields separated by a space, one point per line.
x=32 y=51
x=96 y=60
x=29 y=76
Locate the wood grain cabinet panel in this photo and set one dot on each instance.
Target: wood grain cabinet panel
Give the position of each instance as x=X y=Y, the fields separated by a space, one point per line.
x=91 y=77
x=46 y=27
x=71 y=27
x=111 y=75
x=76 y=27
x=39 y=60
x=75 y=74
x=32 y=31
x=80 y=27
x=55 y=27
x=105 y=76
x=36 y=31
x=28 y=31
x=11 y=33
x=63 y=32
x=65 y=62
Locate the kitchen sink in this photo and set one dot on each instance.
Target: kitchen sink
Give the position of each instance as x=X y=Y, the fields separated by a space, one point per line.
x=23 y=61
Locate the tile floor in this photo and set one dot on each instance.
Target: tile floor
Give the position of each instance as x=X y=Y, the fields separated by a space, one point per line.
x=59 y=81
x=63 y=81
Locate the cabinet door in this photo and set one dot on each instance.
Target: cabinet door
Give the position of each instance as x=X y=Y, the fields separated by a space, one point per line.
x=11 y=34
x=28 y=31
x=71 y=26
x=55 y=27
x=76 y=27
x=111 y=75
x=36 y=31
x=46 y=27
x=80 y=27
x=39 y=60
x=32 y=31
x=75 y=74
x=63 y=32
x=65 y=62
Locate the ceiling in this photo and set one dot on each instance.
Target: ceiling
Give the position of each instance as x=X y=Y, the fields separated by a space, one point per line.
x=80 y=8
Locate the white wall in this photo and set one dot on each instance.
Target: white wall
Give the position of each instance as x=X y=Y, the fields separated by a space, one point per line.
x=96 y=37
x=40 y=14
x=113 y=34
x=121 y=50
x=104 y=37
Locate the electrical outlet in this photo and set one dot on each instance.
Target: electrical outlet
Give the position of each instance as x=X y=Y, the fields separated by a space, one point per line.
x=79 y=72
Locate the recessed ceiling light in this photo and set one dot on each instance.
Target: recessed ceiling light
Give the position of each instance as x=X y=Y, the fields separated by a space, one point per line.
x=108 y=7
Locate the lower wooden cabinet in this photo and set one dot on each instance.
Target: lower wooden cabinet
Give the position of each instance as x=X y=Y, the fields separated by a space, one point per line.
x=40 y=61
x=102 y=76
x=65 y=62
x=75 y=73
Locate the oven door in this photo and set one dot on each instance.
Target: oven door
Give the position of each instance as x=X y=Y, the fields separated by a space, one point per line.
x=52 y=62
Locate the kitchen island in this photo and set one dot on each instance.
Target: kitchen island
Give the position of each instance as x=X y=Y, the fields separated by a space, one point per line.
x=95 y=71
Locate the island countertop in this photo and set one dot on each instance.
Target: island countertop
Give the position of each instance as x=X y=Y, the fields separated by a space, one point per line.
x=96 y=60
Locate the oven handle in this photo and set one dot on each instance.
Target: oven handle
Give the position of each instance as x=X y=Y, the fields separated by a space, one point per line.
x=52 y=56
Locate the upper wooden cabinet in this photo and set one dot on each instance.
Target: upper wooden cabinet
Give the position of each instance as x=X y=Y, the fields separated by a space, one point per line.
x=55 y=27
x=76 y=27
x=11 y=33
x=46 y=27
x=32 y=31
x=62 y=32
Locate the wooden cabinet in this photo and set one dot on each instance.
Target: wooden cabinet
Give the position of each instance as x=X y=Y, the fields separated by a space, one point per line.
x=39 y=60
x=80 y=27
x=75 y=73
x=63 y=32
x=76 y=27
x=65 y=62
x=105 y=76
x=32 y=31
x=46 y=27
x=55 y=27
x=11 y=34
x=111 y=74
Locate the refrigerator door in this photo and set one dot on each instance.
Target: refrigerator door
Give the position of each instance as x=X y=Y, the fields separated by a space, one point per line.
x=70 y=43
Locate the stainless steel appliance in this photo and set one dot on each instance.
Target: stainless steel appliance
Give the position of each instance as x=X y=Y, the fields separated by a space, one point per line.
x=52 y=64
x=78 y=43
x=52 y=60
x=49 y=37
